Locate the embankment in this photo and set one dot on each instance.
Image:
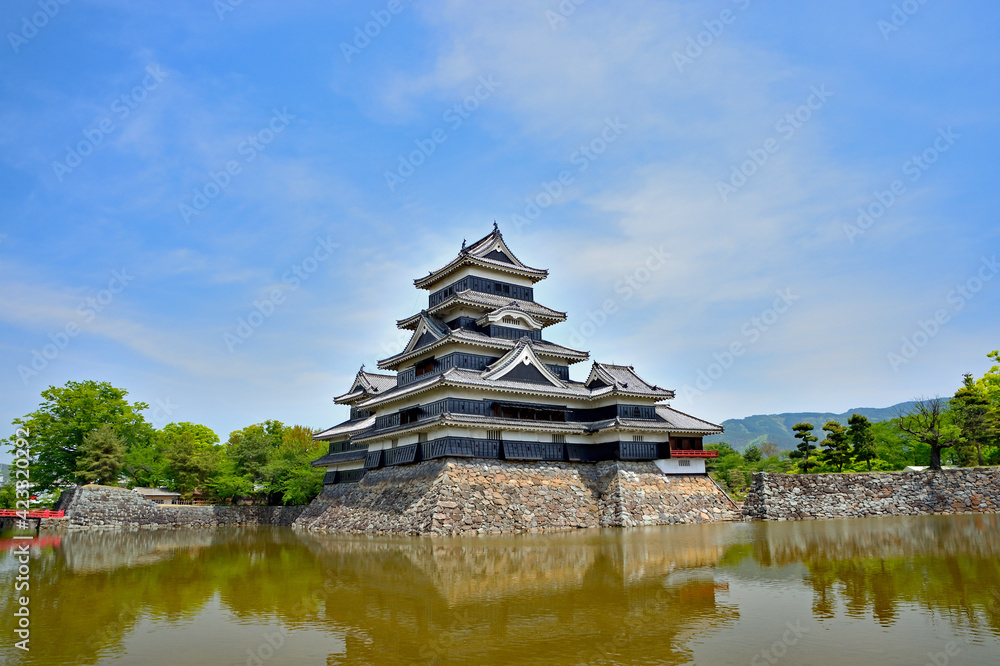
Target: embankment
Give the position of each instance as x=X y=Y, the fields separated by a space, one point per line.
x=821 y=496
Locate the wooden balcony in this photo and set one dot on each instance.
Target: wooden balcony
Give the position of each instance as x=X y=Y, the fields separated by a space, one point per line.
x=680 y=453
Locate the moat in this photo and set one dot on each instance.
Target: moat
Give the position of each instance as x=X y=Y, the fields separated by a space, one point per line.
x=901 y=590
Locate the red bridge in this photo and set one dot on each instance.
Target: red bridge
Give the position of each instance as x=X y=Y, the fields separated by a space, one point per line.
x=44 y=513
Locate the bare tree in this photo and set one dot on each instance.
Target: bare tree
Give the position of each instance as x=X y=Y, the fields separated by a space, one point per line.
x=927 y=422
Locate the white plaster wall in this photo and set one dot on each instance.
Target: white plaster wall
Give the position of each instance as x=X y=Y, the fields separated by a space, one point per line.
x=673 y=465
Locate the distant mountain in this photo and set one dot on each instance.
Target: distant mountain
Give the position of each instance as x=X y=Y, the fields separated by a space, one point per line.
x=777 y=428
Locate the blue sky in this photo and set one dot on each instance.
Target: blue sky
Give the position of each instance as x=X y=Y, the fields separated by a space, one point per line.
x=690 y=173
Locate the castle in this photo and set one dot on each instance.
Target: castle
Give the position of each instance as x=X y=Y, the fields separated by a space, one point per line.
x=477 y=380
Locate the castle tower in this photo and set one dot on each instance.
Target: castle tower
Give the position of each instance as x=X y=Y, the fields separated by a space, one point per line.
x=478 y=379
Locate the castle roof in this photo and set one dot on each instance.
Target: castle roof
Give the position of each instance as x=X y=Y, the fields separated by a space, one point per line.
x=490 y=251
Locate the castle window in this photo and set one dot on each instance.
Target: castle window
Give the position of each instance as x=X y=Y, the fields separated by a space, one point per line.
x=422 y=437
x=395 y=442
x=558 y=439
x=493 y=434
x=424 y=366
x=636 y=438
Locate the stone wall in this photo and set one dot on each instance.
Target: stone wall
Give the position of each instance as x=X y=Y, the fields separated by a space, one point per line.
x=818 y=496
x=458 y=496
x=107 y=507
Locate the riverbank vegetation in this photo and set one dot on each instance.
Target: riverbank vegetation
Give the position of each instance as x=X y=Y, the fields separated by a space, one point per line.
x=88 y=432
x=961 y=431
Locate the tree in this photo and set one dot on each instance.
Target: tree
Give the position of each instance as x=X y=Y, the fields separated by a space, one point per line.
x=803 y=433
x=928 y=424
x=769 y=449
x=189 y=463
x=752 y=454
x=970 y=409
x=66 y=416
x=859 y=434
x=838 y=449
x=100 y=456
x=291 y=472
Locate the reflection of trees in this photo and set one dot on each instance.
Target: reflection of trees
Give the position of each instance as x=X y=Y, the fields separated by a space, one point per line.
x=593 y=597
x=946 y=564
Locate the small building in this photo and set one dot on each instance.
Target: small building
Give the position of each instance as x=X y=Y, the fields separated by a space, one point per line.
x=158 y=495
x=478 y=379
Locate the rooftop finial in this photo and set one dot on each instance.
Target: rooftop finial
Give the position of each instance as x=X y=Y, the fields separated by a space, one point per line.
x=463 y=245
x=495 y=226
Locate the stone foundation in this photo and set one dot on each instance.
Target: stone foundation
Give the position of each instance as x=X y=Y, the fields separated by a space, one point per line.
x=819 y=496
x=459 y=496
x=107 y=507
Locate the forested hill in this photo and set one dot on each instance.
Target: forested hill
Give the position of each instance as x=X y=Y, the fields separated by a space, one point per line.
x=777 y=428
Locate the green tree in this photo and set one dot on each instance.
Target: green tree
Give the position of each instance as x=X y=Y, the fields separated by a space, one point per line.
x=8 y=495
x=291 y=472
x=803 y=433
x=100 y=456
x=970 y=409
x=929 y=424
x=66 y=416
x=752 y=454
x=861 y=438
x=837 y=449
x=190 y=463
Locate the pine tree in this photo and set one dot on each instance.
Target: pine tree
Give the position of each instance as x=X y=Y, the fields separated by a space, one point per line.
x=803 y=432
x=101 y=456
x=838 y=449
x=860 y=435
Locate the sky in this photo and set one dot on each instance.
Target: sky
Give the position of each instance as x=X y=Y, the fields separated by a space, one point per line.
x=220 y=205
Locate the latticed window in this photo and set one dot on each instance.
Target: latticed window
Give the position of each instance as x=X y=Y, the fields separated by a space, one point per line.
x=493 y=434
x=422 y=437
x=636 y=438
x=559 y=439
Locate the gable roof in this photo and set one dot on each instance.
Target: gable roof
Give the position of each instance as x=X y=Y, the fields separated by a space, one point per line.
x=428 y=331
x=490 y=251
x=366 y=384
x=462 y=335
x=522 y=364
x=622 y=379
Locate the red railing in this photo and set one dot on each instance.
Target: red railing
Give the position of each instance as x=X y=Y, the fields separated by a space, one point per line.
x=679 y=453
x=42 y=513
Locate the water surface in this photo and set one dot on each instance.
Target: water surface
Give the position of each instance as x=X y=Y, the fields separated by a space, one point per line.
x=905 y=590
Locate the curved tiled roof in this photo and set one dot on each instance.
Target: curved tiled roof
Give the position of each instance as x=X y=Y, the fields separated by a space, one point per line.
x=479 y=254
x=490 y=301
